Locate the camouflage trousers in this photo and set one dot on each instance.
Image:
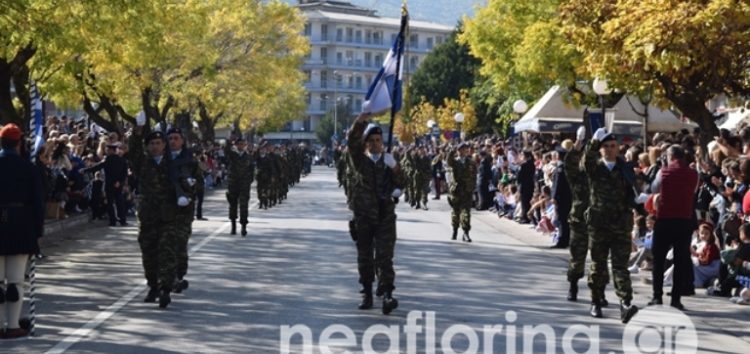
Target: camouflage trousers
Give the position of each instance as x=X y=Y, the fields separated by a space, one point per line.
x=238 y=195
x=603 y=243
x=420 y=188
x=184 y=229
x=264 y=191
x=376 y=241
x=159 y=243
x=579 y=248
x=461 y=216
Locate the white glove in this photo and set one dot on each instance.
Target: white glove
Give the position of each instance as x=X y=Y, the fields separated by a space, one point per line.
x=600 y=133
x=642 y=198
x=396 y=193
x=183 y=201
x=190 y=181
x=581 y=133
x=389 y=160
x=140 y=119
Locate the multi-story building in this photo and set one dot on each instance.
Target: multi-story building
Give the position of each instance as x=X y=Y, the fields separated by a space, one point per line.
x=348 y=46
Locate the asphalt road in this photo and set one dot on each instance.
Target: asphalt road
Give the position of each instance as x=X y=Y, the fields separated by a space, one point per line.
x=296 y=273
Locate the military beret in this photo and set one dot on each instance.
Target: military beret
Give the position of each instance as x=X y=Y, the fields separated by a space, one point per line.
x=609 y=137
x=156 y=134
x=174 y=130
x=372 y=129
x=11 y=132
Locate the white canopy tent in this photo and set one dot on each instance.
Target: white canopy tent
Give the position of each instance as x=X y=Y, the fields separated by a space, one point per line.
x=552 y=114
x=735 y=118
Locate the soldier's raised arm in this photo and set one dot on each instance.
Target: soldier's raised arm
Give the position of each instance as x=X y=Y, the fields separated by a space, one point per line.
x=136 y=154
x=354 y=139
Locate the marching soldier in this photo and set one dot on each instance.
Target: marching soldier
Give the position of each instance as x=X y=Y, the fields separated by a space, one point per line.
x=422 y=175
x=377 y=180
x=579 y=239
x=240 y=177
x=464 y=171
x=265 y=168
x=609 y=220
x=188 y=180
x=157 y=212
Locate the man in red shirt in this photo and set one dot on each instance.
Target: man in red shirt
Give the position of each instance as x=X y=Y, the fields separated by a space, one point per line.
x=675 y=223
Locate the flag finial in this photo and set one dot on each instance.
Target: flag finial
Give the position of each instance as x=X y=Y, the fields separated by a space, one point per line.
x=404 y=11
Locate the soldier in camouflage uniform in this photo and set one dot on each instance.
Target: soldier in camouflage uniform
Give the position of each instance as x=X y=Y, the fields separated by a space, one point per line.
x=266 y=171
x=579 y=239
x=609 y=220
x=406 y=170
x=377 y=181
x=158 y=234
x=422 y=175
x=188 y=180
x=241 y=168
x=461 y=190
x=340 y=163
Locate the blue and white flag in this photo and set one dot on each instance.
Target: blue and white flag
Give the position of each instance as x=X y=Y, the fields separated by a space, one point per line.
x=36 y=123
x=385 y=90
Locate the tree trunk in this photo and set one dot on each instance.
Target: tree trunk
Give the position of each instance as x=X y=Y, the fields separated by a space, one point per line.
x=207 y=124
x=8 y=113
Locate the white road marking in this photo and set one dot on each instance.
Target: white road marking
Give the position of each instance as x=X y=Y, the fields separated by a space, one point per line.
x=95 y=322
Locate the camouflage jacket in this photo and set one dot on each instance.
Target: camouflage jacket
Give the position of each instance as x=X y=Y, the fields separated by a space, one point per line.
x=611 y=197
x=374 y=182
x=181 y=168
x=579 y=185
x=157 y=199
x=265 y=167
x=241 y=167
x=464 y=177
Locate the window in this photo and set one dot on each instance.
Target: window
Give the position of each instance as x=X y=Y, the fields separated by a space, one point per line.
x=308 y=29
x=308 y=99
x=349 y=35
x=414 y=41
x=358 y=105
x=339 y=58
x=429 y=43
x=323 y=102
x=377 y=38
x=368 y=79
x=368 y=37
x=358 y=36
x=368 y=59
x=324 y=55
x=339 y=35
x=378 y=60
x=393 y=37
x=350 y=57
x=323 y=78
x=358 y=82
x=324 y=32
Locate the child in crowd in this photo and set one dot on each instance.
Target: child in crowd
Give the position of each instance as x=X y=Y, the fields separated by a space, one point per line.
x=706 y=257
x=642 y=257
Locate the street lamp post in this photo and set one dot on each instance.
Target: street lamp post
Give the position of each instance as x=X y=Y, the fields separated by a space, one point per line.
x=520 y=107
x=601 y=88
x=459 y=118
x=335 y=102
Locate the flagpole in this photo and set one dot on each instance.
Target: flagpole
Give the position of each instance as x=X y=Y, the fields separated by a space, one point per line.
x=399 y=50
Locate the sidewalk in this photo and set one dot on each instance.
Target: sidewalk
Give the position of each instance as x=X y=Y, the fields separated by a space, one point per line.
x=716 y=312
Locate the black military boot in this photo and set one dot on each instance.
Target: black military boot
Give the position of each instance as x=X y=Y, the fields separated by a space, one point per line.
x=466 y=237
x=573 y=291
x=596 y=309
x=627 y=311
x=2 y=296
x=180 y=285
x=244 y=230
x=11 y=293
x=655 y=301
x=455 y=234
x=366 y=303
x=389 y=303
x=164 y=298
x=153 y=293
x=234 y=228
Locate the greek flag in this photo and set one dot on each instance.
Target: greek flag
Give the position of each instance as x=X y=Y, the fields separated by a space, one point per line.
x=385 y=89
x=36 y=123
